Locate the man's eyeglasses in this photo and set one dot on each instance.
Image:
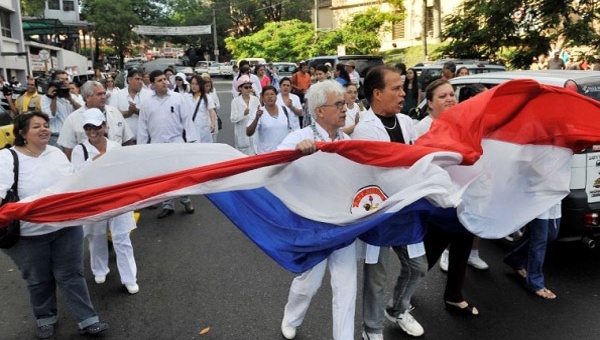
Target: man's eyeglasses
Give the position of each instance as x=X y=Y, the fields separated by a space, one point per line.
x=338 y=105
x=89 y=127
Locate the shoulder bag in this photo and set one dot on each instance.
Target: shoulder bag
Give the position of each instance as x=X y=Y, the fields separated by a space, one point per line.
x=9 y=235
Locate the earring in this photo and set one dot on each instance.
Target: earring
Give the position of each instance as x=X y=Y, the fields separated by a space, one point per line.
x=25 y=141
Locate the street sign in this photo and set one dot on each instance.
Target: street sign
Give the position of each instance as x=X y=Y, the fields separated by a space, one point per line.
x=44 y=55
x=216 y=52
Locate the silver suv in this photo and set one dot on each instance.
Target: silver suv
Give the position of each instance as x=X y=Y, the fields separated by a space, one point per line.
x=581 y=208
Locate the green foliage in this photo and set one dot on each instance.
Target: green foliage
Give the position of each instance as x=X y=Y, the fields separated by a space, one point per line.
x=33 y=8
x=487 y=29
x=361 y=33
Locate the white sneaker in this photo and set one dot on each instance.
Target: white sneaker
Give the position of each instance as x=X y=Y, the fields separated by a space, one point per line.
x=288 y=332
x=372 y=336
x=407 y=322
x=100 y=279
x=477 y=262
x=132 y=288
x=444 y=260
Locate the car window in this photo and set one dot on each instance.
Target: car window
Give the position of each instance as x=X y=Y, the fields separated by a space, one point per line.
x=590 y=89
x=363 y=65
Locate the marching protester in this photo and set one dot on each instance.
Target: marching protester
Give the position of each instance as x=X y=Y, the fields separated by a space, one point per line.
x=211 y=93
x=271 y=121
x=353 y=107
x=241 y=106
x=384 y=122
x=129 y=99
x=96 y=145
x=31 y=100
x=48 y=257
x=291 y=101
x=72 y=132
x=326 y=104
x=164 y=117
x=203 y=111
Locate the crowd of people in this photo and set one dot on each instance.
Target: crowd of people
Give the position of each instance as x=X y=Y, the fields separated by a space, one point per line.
x=61 y=132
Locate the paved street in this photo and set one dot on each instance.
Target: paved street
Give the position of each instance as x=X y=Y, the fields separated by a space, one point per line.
x=199 y=272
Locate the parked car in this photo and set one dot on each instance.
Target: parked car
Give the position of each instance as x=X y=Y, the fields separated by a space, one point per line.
x=581 y=208
x=253 y=61
x=428 y=72
x=226 y=70
x=214 y=69
x=202 y=66
x=285 y=69
x=188 y=71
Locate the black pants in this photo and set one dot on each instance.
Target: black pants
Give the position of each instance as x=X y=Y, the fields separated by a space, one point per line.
x=436 y=240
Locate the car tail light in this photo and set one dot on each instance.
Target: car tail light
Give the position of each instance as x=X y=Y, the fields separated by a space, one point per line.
x=591 y=219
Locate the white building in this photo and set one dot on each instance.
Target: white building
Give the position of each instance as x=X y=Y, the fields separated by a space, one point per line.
x=332 y=13
x=13 y=52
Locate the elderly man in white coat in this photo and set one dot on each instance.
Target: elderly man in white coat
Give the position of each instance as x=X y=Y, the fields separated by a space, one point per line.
x=384 y=122
x=326 y=105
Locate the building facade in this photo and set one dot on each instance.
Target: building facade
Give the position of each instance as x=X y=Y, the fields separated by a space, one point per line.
x=332 y=13
x=13 y=52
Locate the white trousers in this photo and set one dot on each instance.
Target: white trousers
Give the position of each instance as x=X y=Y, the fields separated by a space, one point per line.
x=98 y=245
x=342 y=268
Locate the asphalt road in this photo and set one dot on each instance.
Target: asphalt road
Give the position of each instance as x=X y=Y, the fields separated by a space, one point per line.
x=200 y=273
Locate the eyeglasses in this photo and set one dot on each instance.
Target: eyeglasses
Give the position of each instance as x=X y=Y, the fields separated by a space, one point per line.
x=338 y=105
x=247 y=87
x=178 y=79
x=88 y=127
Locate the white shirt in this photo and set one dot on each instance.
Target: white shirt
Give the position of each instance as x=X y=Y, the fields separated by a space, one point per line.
x=271 y=130
x=121 y=99
x=163 y=120
x=423 y=126
x=202 y=120
x=294 y=120
x=35 y=174
x=238 y=106
x=295 y=137
x=72 y=132
x=351 y=115
x=63 y=109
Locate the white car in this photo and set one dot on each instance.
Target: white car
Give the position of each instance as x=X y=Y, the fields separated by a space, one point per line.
x=581 y=208
x=202 y=67
x=214 y=69
x=226 y=70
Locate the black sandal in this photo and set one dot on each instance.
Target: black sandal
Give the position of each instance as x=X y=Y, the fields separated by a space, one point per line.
x=468 y=310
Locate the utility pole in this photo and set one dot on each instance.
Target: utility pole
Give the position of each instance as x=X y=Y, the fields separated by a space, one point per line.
x=214 y=27
x=316 y=16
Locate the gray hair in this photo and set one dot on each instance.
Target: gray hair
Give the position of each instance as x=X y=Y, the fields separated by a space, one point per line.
x=87 y=89
x=317 y=94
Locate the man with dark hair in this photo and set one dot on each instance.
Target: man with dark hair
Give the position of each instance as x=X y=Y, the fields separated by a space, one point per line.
x=165 y=117
x=383 y=122
x=58 y=103
x=28 y=101
x=129 y=99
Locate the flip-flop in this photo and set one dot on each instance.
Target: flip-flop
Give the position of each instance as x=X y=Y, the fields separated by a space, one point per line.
x=545 y=293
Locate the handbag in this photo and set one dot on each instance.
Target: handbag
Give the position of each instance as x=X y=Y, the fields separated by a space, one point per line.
x=219 y=122
x=9 y=235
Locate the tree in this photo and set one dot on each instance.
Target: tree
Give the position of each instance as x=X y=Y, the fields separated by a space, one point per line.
x=361 y=33
x=519 y=30
x=115 y=19
x=33 y=8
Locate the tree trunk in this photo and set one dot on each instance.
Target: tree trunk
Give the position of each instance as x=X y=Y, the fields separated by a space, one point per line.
x=424 y=30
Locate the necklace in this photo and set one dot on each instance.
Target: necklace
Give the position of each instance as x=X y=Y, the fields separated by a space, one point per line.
x=318 y=137
x=393 y=127
x=31 y=152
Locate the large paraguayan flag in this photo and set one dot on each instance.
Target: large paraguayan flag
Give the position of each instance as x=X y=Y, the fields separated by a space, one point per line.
x=298 y=208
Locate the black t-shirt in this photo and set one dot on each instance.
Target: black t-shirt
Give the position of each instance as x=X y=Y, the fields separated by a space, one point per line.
x=392 y=126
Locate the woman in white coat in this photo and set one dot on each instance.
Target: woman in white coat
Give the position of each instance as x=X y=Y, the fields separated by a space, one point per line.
x=94 y=125
x=241 y=106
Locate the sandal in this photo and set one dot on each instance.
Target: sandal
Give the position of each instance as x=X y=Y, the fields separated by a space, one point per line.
x=522 y=273
x=467 y=310
x=545 y=293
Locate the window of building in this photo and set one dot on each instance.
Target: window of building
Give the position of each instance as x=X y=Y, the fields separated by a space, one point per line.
x=68 y=5
x=398 y=30
x=5 y=22
x=54 y=4
x=430 y=21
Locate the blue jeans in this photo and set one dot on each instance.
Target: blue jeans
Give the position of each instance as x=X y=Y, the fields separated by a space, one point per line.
x=412 y=271
x=50 y=260
x=530 y=253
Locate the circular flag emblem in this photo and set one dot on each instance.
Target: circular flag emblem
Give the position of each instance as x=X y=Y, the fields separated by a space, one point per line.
x=367 y=199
